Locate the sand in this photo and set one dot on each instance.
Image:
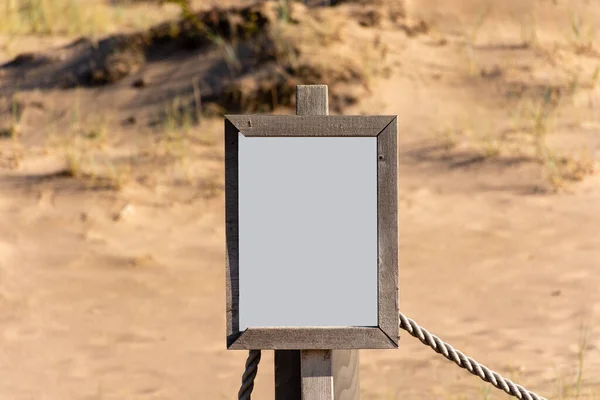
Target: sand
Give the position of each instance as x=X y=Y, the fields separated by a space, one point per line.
x=120 y=293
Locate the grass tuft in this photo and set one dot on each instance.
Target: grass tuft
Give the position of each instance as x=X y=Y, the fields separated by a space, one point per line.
x=73 y=17
x=582 y=34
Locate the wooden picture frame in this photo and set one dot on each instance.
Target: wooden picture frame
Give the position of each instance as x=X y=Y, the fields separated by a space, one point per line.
x=386 y=333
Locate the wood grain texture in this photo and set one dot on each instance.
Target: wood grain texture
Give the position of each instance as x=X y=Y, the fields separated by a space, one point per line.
x=330 y=374
x=387 y=220
x=346 y=377
x=231 y=232
x=318 y=338
x=385 y=128
x=317 y=375
x=287 y=375
x=288 y=380
x=310 y=125
x=312 y=100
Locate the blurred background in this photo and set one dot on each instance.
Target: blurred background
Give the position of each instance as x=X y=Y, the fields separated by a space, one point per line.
x=112 y=245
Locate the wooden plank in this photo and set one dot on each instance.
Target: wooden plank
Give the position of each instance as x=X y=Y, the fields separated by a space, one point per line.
x=317 y=375
x=310 y=125
x=341 y=365
x=287 y=375
x=231 y=232
x=310 y=100
x=316 y=338
x=339 y=377
x=346 y=382
x=330 y=375
x=387 y=219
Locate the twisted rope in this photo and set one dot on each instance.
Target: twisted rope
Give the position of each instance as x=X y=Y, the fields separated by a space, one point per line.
x=465 y=362
x=428 y=339
x=249 y=375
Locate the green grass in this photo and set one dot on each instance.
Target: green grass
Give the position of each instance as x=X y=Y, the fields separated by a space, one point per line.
x=75 y=17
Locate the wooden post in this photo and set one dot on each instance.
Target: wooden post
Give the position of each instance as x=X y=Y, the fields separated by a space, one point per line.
x=316 y=374
x=287 y=375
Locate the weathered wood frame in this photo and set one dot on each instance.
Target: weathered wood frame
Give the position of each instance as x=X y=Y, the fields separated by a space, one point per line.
x=386 y=334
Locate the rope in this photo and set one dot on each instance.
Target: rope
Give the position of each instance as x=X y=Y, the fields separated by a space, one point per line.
x=249 y=375
x=465 y=362
x=428 y=339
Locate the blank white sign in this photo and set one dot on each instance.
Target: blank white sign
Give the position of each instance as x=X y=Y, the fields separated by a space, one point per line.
x=307 y=231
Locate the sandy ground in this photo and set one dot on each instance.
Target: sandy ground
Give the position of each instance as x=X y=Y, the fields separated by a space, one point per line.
x=110 y=294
